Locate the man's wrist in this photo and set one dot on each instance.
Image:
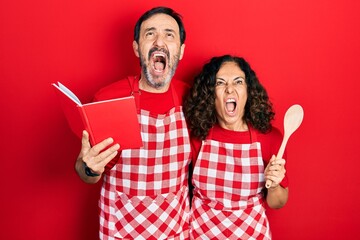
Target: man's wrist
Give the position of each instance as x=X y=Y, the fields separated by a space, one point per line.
x=89 y=172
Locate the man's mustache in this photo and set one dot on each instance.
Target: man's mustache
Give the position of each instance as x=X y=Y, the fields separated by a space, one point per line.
x=154 y=49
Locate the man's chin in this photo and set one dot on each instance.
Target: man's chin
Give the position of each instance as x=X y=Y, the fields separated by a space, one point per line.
x=158 y=79
x=159 y=82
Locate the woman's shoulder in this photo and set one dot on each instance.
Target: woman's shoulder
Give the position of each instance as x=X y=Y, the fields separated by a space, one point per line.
x=273 y=134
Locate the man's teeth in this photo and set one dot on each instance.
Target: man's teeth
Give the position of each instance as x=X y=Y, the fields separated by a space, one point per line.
x=159 y=55
x=159 y=59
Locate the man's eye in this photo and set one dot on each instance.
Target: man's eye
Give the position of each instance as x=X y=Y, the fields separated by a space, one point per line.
x=149 y=35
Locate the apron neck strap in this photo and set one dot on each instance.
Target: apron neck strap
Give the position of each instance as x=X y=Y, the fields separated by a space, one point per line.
x=136 y=92
x=251 y=130
x=253 y=137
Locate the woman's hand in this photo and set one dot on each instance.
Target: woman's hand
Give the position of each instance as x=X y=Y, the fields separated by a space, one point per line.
x=275 y=171
x=277 y=196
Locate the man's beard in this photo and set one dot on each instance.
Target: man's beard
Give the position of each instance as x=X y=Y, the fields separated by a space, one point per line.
x=165 y=80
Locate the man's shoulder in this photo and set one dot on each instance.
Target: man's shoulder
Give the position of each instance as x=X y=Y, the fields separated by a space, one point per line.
x=182 y=87
x=180 y=83
x=120 y=88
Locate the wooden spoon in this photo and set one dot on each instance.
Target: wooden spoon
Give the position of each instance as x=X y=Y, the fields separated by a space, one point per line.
x=292 y=120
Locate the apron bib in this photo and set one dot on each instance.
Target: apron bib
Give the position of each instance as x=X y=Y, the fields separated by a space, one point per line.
x=228 y=203
x=147 y=189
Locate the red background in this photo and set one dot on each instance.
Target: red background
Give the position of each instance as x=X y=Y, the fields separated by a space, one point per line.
x=304 y=52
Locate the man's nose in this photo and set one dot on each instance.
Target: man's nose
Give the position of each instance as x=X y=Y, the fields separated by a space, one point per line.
x=159 y=41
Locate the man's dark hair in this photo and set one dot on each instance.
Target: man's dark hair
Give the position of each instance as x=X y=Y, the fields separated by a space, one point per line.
x=158 y=10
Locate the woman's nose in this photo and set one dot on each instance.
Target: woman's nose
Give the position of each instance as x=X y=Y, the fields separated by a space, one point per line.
x=229 y=88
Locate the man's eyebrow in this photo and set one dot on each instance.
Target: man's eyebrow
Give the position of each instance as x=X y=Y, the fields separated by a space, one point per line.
x=169 y=30
x=154 y=28
x=150 y=29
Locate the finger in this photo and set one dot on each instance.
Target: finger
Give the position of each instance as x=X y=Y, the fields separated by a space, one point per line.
x=85 y=143
x=104 y=158
x=107 y=155
x=95 y=150
x=274 y=180
x=279 y=175
x=276 y=167
x=278 y=162
x=270 y=163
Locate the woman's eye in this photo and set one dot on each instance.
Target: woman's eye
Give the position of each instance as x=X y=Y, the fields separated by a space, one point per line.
x=240 y=81
x=219 y=83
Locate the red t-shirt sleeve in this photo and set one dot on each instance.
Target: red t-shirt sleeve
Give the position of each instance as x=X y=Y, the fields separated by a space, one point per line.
x=270 y=144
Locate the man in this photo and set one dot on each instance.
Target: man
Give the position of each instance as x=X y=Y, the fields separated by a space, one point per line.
x=145 y=191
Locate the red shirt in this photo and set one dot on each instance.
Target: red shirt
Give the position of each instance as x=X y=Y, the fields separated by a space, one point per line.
x=158 y=103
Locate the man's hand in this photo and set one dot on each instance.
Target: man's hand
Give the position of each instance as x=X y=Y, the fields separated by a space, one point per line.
x=95 y=157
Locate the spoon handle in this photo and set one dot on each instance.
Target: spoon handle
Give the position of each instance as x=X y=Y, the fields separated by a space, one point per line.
x=278 y=156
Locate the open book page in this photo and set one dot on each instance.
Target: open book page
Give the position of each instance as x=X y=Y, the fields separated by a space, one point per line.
x=68 y=93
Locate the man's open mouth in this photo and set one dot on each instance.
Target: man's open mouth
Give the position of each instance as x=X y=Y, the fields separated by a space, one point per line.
x=159 y=61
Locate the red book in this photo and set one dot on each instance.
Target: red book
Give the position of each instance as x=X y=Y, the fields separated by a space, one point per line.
x=116 y=118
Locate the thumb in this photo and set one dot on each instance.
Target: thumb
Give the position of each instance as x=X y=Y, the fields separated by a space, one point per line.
x=85 y=143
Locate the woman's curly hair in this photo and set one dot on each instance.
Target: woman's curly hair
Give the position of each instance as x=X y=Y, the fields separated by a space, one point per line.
x=199 y=106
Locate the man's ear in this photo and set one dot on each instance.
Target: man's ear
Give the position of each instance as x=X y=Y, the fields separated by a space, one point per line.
x=136 y=48
x=182 y=49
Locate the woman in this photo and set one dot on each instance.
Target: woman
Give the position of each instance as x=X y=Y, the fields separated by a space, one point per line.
x=229 y=116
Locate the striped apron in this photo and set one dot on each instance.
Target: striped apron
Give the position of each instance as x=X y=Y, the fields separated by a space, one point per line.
x=145 y=195
x=228 y=203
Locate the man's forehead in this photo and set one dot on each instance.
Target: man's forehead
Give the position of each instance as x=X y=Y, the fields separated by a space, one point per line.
x=160 y=21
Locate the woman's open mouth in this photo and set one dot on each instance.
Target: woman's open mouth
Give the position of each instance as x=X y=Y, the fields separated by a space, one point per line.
x=230 y=105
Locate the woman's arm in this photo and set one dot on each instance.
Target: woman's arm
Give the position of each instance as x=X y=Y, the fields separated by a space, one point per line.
x=277 y=195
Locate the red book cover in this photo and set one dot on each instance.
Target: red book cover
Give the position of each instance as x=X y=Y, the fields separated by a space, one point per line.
x=116 y=118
